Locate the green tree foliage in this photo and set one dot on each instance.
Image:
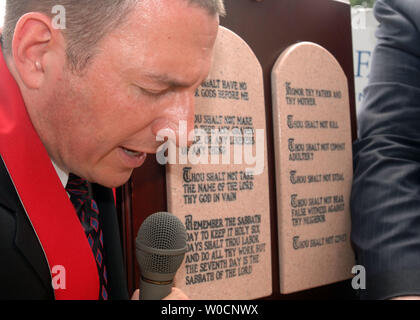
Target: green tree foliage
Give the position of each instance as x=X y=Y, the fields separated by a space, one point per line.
x=365 y=3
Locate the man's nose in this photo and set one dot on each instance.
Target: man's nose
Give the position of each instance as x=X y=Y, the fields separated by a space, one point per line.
x=186 y=118
x=177 y=121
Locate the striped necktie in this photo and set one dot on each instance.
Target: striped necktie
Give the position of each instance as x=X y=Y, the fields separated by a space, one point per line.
x=88 y=213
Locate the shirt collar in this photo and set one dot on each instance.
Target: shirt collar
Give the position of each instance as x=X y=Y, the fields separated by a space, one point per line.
x=64 y=176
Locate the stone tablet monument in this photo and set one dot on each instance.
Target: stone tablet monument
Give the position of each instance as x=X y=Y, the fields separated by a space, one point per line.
x=219 y=186
x=313 y=144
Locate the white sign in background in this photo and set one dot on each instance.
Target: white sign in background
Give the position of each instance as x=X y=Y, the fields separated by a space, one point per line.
x=364 y=26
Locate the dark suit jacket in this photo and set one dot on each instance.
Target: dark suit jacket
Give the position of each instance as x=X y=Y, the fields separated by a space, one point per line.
x=24 y=272
x=386 y=190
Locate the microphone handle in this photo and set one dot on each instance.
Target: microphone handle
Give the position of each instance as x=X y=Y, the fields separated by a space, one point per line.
x=154 y=291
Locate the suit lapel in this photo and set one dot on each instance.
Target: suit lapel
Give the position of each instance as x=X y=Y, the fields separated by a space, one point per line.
x=25 y=240
x=28 y=244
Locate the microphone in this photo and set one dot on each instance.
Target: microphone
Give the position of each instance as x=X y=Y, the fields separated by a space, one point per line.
x=161 y=245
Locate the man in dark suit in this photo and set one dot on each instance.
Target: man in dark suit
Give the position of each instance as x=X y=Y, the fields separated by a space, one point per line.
x=85 y=89
x=24 y=272
x=386 y=190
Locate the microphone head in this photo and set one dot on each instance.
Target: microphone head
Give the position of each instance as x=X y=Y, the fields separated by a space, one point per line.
x=161 y=245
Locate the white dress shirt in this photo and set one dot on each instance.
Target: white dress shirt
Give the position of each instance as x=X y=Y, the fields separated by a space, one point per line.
x=64 y=176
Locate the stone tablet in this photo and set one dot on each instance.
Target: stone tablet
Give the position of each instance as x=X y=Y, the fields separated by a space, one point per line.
x=313 y=168
x=219 y=185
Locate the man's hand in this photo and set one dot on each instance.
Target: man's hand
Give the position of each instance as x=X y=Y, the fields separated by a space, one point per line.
x=176 y=294
x=406 y=298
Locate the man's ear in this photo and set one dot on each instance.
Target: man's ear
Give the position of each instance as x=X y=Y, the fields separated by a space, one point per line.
x=35 y=44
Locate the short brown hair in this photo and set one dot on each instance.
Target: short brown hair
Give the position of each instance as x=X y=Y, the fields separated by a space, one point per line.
x=87 y=22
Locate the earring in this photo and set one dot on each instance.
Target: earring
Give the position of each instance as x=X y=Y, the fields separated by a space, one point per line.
x=38 y=65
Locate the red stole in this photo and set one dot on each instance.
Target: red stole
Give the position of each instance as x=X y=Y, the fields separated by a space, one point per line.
x=46 y=203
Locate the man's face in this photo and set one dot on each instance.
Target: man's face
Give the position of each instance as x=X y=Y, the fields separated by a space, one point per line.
x=100 y=125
